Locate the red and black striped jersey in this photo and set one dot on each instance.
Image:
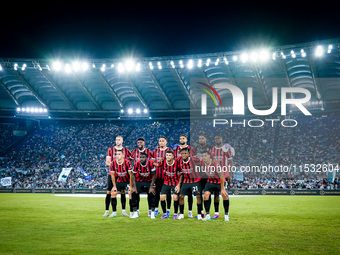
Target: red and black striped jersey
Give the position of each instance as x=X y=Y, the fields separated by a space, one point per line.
x=189 y=171
x=171 y=172
x=159 y=156
x=112 y=153
x=211 y=171
x=121 y=171
x=178 y=155
x=221 y=156
x=136 y=154
x=144 y=173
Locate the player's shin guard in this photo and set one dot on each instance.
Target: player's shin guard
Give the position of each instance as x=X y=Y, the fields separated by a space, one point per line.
x=152 y=201
x=207 y=206
x=123 y=201
x=168 y=202
x=107 y=201
x=226 y=206
x=163 y=204
x=114 y=204
x=199 y=208
x=190 y=202
x=181 y=209
x=176 y=206
x=134 y=201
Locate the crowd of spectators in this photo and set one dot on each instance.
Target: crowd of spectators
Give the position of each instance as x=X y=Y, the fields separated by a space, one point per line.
x=37 y=161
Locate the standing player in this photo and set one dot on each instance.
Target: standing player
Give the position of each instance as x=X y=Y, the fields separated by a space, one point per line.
x=172 y=183
x=183 y=140
x=136 y=157
x=191 y=182
x=215 y=184
x=141 y=149
x=224 y=159
x=120 y=171
x=158 y=158
x=111 y=154
x=144 y=177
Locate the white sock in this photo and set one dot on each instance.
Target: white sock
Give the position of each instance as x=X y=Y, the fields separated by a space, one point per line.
x=123 y=210
x=156 y=209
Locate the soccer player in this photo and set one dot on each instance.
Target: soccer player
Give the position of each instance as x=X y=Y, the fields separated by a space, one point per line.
x=224 y=159
x=111 y=154
x=215 y=184
x=172 y=183
x=202 y=147
x=141 y=149
x=183 y=140
x=158 y=158
x=120 y=171
x=191 y=183
x=144 y=177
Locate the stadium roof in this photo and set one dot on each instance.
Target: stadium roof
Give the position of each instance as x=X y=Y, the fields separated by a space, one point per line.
x=160 y=86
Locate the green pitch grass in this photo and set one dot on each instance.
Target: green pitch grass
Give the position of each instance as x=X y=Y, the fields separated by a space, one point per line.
x=46 y=224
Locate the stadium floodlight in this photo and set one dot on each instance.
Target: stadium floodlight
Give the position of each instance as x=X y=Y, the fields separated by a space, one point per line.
x=145 y=110
x=190 y=64
x=23 y=67
x=244 y=57
x=45 y=110
x=235 y=58
x=130 y=111
x=226 y=60
x=56 y=66
x=208 y=62
x=292 y=53
x=253 y=56
x=138 y=111
x=76 y=66
x=199 y=63
x=120 y=68
x=68 y=68
x=18 y=109
x=217 y=61
x=274 y=55
x=264 y=55
x=283 y=55
x=150 y=65
x=137 y=67
x=103 y=68
x=181 y=64
x=15 y=66
x=1 y=68
x=129 y=65
x=303 y=53
x=121 y=111
x=319 y=51
x=159 y=64
x=330 y=47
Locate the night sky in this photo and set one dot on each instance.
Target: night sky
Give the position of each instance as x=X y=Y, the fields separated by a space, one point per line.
x=101 y=30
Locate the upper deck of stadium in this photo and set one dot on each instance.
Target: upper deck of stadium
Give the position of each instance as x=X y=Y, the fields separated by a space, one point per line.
x=160 y=86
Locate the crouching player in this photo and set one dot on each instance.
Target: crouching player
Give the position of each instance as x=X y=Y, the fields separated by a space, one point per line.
x=215 y=185
x=143 y=180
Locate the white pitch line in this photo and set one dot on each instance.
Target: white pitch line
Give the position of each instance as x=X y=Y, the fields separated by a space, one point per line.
x=142 y=195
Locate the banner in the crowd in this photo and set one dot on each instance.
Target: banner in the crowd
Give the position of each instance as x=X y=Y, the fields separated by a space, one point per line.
x=238 y=175
x=7 y=181
x=64 y=174
x=87 y=176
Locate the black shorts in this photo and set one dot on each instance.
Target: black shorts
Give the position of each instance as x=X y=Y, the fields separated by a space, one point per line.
x=143 y=187
x=213 y=187
x=203 y=182
x=167 y=190
x=159 y=184
x=191 y=189
x=109 y=183
x=122 y=186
